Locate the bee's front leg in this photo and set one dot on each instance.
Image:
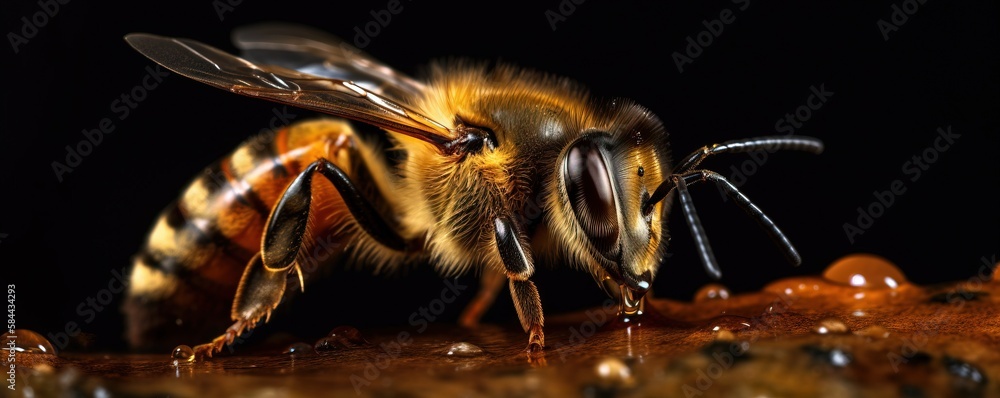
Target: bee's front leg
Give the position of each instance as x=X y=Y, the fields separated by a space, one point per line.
x=263 y=283
x=518 y=264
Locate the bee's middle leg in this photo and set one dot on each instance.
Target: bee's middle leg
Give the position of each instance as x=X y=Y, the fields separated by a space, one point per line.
x=490 y=283
x=519 y=267
x=263 y=283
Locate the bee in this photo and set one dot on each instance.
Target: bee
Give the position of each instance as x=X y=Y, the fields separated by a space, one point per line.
x=472 y=149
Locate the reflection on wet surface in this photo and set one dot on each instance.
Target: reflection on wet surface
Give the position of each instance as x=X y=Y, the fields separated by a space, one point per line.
x=861 y=330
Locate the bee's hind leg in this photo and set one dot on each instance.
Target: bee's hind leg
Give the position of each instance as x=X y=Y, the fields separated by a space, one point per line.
x=259 y=292
x=263 y=283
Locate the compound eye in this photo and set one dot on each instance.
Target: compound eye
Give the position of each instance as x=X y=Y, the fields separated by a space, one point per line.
x=588 y=185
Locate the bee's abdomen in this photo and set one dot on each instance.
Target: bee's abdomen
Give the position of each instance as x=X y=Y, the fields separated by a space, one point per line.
x=184 y=278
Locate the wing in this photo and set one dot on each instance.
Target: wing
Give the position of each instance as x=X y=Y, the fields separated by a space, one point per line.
x=337 y=97
x=317 y=53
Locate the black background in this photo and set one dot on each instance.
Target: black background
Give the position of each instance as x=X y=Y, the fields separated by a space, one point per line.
x=62 y=239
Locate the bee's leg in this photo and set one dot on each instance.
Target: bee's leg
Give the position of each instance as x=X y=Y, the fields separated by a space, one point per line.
x=259 y=292
x=518 y=264
x=490 y=283
x=263 y=283
x=529 y=311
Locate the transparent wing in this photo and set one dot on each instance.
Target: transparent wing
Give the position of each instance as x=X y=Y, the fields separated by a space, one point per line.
x=315 y=52
x=337 y=97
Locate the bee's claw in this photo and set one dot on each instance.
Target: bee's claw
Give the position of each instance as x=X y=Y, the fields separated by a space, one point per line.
x=202 y=351
x=536 y=340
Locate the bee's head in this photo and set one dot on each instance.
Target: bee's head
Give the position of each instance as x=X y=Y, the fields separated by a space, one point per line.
x=605 y=176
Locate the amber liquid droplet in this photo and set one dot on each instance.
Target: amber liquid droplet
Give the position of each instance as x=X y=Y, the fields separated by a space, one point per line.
x=183 y=353
x=630 y=306
x=299 y=349
x=463 y=349
x=865 y=270
x=711 y=291
x=874 y=331
x=348 y=334
x=830 y=326
x=730 y=323
x=341 y=337
x=724 y=335
x=612 y=372
x=27 y=341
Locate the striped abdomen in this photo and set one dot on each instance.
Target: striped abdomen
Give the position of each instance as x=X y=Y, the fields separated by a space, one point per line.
x=184 y=278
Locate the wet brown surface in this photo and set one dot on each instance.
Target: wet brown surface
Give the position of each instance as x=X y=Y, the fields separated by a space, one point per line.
x=860 y=330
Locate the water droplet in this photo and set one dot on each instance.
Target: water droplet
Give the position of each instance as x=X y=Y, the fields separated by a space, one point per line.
x=711 y=291
x=614 y=373
x=830 y=326
x=183 y=353
x=731 y=323
x=865 y=270
x=299 y=349
x=464 y=350
x=339 y=338
x=27 y=341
